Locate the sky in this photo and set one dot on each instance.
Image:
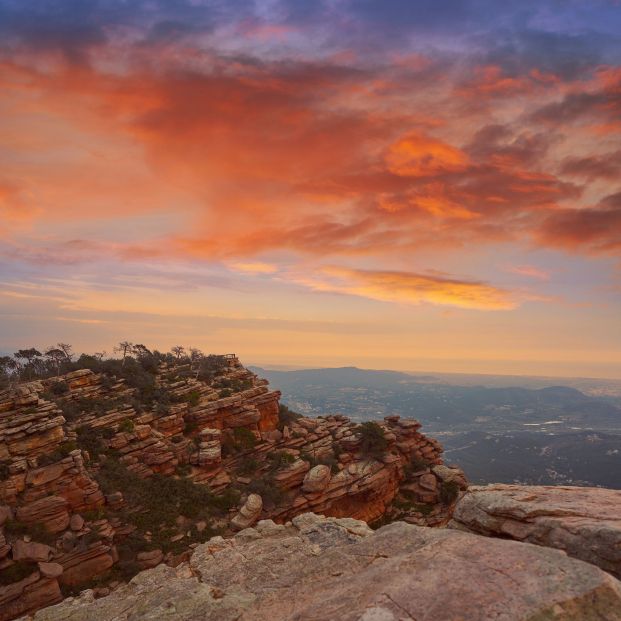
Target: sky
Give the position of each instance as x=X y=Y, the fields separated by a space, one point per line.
x=429 y=185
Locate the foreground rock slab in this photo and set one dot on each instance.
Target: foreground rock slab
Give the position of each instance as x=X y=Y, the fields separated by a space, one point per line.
x=583 y=521
x=322 y=569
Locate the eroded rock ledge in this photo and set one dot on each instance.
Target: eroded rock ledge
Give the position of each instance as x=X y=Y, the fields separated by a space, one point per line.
x=337 y=568
x=585 y=522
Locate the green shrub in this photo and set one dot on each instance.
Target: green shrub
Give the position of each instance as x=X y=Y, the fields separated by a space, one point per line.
x=59 y=388
x=193 y=399
x=247 y=466
x=61 y=452
x=373 y=442
x=244 y=438
x=280 y=460
x=89 y=439
x=271 y=494
x=225 y=392
x=127 y=426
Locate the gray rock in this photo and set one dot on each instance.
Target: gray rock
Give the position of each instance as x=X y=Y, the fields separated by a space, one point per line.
x=324 y=571
x=585 y=522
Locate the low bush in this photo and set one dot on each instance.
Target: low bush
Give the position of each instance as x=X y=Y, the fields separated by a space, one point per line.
x=244 y=438
x=373 y=441
x=59 y=388
x=61 y=452
x=127 y=426
x=449 y=490
x=17 y=571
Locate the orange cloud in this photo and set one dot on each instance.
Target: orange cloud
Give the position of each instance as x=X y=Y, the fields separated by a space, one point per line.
x=411 y=288
x=415 y=155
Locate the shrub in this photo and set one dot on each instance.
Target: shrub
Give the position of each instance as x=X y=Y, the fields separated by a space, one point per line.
x=225 y=392
x=193 y=399
x=4 y=471
x=244 y=438
x=247 y=466
x=449 y=490
x=17 y=571
x=36 y=531
x=88 y=439
x=59 y=388
x=61 y=452
x=127 y=426
x=415 y=465
x=373 y=441
x=280 y=460
x=271 y=494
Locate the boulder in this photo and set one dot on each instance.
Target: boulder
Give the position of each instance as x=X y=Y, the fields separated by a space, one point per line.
x=327 y=571
x=249 y=513
x=50 y=570
x=316 y=479
x=146 y=560
x=585 y=522
x=31 y=551
x=76 y=522
x=428 y=482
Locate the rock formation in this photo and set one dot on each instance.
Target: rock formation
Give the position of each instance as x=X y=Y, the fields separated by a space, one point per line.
x=105 y=474
x=316 y=568
x=585 y=522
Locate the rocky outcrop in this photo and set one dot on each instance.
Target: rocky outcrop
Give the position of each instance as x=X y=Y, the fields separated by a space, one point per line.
x=318 y=568
x=27 y=595
x=70 y=445
x=585 y=522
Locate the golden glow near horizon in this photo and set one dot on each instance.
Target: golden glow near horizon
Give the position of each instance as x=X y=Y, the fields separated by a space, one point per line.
x=261 y=185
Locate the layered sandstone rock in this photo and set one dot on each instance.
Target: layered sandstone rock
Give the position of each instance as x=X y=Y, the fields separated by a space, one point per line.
x=585 y=522
x=336 y=569
x=226 y=435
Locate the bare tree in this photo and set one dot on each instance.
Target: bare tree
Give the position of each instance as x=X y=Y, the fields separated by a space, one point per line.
x=178 y=351
x=66 y=349
x=124 y=348
x=99 y=355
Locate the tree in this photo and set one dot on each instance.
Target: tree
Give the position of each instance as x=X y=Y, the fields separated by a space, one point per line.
x=32 y=356
x=66 y=349
x=140 y=351
x=196 y=355
x=8 y=366
x=124 y=348
x=99 y=355
x=56 y=357
x=373 y=442
x=178 y=351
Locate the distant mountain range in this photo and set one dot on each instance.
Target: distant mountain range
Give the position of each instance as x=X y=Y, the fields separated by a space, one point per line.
x=366 y=394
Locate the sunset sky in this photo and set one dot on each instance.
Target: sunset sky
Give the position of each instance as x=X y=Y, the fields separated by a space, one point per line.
x=427 y=185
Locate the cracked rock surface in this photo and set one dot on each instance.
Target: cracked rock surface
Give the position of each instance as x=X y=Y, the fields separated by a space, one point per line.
x=585 y=522
x=319 y=568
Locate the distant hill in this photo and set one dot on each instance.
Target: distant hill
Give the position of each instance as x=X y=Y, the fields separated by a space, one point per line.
x=366 y=394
